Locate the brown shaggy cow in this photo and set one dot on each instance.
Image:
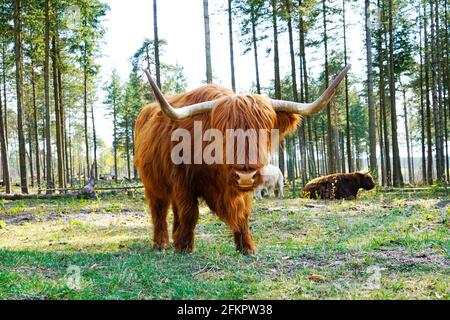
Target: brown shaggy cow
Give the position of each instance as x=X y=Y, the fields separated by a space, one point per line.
x=225 y=188
x=338 y=186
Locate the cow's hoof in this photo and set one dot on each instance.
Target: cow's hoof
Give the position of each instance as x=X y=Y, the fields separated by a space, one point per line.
x=184 y=250
x=250 y=251
x=160 y=246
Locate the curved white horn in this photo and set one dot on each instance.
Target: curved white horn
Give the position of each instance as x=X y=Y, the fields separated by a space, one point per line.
x=307 y=109
x=178 y=113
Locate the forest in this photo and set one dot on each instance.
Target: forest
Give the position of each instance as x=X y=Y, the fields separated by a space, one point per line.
x=68 y=115
x=49 y=87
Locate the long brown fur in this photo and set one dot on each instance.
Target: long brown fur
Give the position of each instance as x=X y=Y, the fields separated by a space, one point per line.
x=181 y=186
x=338 y=186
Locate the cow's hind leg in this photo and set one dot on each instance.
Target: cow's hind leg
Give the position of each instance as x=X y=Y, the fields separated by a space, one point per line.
x=186 y=215
x=159 y=208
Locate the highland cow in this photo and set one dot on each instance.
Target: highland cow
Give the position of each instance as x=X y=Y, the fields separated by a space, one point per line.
x=272 y=181
x=225 y=187
x=338 y=186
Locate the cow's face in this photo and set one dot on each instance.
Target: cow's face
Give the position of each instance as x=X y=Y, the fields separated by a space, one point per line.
x=366 y=181
x=250 y=128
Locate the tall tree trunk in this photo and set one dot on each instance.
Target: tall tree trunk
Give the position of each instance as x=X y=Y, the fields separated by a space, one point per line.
x=230 y=35
x=305 y=91
x=347 y=107
x=94 y=135
x=56 y=99
x=277 y=76
x=408 y=147
x=85 y=109
x=70 y=154
x=255 y=48
x=292 y=53
x=301 y=130
x=422 y=107
x=4 y=151
x=316 y=139
x=62 y=117
x=428 y=103
x=19 y=88
x=397 y=172
x=337 y=158
x=48 y=153
x=372 y=124
x=382 y=93
x=30 y=151
x=156 y=44
x=381 y=145
x=35 y=130
x=441 y=109
x=127 y=147
x=5 y=111
x=447 y=85
x=115 y=137
x=434 y=95
x=330 y=138
x=276 y=51
x=209 y=74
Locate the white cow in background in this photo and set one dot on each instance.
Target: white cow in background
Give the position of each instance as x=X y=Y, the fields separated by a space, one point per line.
x=272 y=179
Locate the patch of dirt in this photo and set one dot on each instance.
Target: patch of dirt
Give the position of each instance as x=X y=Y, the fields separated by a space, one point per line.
x=397 y=257
x=394 y=259
x=84 y=215
x=46 y=272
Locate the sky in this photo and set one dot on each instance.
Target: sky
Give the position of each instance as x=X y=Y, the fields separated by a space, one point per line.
x=180 y=23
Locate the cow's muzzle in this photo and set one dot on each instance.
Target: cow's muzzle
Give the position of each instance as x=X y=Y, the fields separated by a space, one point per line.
x=245 y=180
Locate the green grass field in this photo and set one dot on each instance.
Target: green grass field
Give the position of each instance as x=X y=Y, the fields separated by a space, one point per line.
x=382 y=246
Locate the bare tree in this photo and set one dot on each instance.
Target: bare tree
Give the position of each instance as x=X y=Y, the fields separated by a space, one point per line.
x=48 y=143
x=209 y=74
x=230 y=33
x=372 y=123
x=18 y=49
x=156 y=43
x=4 y=152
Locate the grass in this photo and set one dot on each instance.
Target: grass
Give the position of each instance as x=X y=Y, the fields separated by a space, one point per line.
x=382 y=246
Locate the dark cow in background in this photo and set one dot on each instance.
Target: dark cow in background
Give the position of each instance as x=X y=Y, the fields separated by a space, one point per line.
x=338 y=186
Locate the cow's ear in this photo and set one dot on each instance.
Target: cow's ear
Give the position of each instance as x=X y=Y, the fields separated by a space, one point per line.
x=286 y=123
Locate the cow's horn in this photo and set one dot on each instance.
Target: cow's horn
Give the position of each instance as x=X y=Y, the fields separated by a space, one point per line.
x=178 y=113
x=307 y=109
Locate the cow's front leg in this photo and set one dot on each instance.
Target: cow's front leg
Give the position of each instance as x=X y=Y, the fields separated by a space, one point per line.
x=159 y=208
x=243 y=238
x=240 y=226
x=187 y=214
